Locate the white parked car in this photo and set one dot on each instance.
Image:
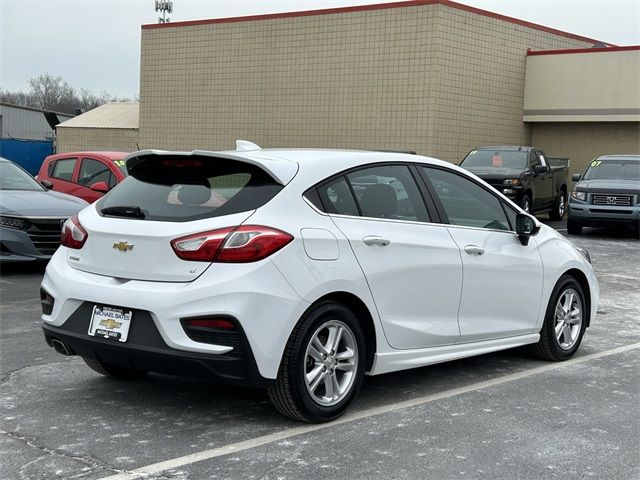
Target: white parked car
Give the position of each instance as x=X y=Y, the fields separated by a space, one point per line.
x=303 y=270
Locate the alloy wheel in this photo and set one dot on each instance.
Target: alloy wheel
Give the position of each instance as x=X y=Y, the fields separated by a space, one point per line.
x=568 y=316
x=330 y=363
x=561 y=206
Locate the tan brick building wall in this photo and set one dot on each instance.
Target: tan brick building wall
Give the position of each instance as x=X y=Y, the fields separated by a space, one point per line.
x=73 y=139
x=431 y=78
x=583 y=141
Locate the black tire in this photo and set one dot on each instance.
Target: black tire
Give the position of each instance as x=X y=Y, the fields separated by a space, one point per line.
x=548 y=347
x=573 y=227
x=289 y=394
x=559 y=207
x=113 y=371
x=525 y=203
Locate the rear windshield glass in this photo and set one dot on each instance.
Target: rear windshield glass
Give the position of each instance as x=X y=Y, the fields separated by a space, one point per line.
x=613 y=170
x=181 y=189
x=496 y=159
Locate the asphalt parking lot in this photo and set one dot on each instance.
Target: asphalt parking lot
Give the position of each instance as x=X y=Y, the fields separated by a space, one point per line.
x=503 y=415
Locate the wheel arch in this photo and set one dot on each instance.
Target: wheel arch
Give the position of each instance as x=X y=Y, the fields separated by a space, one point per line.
x=364 y=316
x=581 y=278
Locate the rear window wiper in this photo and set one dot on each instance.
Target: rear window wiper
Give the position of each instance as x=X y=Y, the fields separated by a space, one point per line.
x=123 y=211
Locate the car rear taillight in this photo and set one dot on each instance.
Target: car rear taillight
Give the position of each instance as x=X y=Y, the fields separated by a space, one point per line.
x=73 y=235
x=247 y=243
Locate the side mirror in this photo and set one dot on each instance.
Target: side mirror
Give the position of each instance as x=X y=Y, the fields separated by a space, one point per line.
x=538 y=169
x=525 y=227
x=100 y=187
x=576 y=177
x=46 y=184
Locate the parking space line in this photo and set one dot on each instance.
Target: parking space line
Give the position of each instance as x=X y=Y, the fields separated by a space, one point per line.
x=159 y=467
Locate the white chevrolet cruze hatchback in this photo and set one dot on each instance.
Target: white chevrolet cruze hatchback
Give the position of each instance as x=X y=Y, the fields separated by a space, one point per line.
x=303 y=270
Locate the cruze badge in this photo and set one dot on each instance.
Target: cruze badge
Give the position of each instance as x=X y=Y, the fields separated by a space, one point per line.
x=124 y=247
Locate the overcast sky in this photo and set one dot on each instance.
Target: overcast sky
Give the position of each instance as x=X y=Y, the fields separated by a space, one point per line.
x=96 y=43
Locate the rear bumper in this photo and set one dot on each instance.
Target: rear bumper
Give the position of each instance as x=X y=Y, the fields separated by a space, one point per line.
x=255 y=294
x=587 y=214
x=146 y=350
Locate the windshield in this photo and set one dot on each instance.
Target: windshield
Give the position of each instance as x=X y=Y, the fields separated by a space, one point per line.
x=13 y=177
x=178 y=189
x=512 y=159
x=121 y=166
x=613 y=170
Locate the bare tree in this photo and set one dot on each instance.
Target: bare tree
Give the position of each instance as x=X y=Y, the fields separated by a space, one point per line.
x=18 y=98
x=52 y=93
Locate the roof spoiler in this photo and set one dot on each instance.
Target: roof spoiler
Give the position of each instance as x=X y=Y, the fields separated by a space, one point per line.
x=406 y=152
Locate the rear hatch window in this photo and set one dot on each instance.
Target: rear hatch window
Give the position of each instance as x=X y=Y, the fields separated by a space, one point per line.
x=182 y=189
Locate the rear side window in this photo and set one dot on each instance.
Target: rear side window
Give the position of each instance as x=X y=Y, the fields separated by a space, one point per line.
x=388 y=191
x=63 y=169
x=179 y=189
x=337 y=198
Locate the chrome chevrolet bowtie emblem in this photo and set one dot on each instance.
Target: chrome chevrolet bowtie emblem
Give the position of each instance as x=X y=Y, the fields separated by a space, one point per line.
x=124 y=247
x=110 y=324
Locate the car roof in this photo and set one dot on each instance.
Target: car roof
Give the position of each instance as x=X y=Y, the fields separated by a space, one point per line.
x=620 y=157
x=506 y=147
x=109 y=154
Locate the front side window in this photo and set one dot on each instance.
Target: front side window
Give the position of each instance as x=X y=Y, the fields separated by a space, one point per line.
x=388 y=191
x=465 y=202
x=63 y=169
x=92 y=171
x=533 y=159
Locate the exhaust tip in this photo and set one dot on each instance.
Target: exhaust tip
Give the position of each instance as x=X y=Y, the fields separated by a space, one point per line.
x=60 y=347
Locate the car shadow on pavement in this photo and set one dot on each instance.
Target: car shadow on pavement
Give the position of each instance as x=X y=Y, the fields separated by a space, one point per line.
x=201 y=402
x=22 y=268
x=616 y=232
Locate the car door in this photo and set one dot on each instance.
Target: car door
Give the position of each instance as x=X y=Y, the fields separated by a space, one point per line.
x=61 y=175
x=543 y=183
x=411 y=263
x=93 y=170
x=502 y=281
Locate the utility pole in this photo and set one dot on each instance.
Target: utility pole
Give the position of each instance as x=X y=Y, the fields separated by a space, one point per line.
x=164 y=6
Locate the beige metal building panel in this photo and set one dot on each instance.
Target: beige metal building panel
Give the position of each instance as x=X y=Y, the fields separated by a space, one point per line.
x=599 y=86
x=96 y=139
x=430 y=78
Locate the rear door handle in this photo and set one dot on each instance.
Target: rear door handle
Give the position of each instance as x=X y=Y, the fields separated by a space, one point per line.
x=372 y=240
x=474 y=250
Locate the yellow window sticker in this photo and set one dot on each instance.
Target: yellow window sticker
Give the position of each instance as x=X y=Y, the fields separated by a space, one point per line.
x=596 y=163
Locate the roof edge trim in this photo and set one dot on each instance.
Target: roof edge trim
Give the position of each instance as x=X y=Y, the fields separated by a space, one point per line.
x=532 y=53
x=377 y=6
